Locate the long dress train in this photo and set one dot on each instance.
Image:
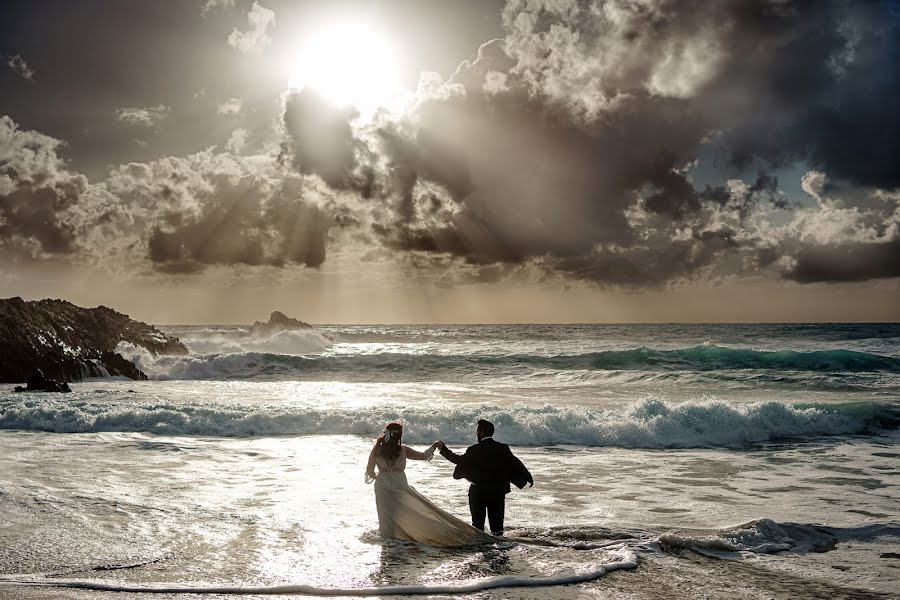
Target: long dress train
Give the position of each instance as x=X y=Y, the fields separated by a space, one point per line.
x=405 y=514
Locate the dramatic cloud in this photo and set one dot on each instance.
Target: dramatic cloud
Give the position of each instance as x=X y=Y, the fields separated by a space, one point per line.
x=218 y=208
x=18 y=65
x=855 y=261
x=256 y=39
x=576 y=146
x=35 y=192
x=45 y=209
x=232 y=106
x=320 y=139
x=570 y=143
x=178 y=214
x=147 y=116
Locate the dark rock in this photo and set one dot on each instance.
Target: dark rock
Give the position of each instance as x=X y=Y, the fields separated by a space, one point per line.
x=278 y=321
x=68 y=342
x=38 y=382
x=116 y=364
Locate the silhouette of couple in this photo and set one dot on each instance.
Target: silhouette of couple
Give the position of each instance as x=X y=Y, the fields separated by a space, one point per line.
x=405 y=514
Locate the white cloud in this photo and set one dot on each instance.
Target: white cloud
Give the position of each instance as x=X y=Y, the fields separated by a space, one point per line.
x=27 y=157
x=256 y=39
x=232 y=106
x=813 y=183
x=211 y=5
x=237 y=141
x=146 y=116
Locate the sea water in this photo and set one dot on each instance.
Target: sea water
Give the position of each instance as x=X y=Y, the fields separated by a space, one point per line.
x=672 y=461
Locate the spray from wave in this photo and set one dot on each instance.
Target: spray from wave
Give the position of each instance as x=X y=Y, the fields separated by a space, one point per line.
x=236 y=340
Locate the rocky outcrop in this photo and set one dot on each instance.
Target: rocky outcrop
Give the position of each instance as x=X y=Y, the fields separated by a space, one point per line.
x=278 y=321
x=68 y=342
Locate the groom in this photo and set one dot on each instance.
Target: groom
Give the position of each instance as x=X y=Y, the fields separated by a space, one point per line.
x=491 y=467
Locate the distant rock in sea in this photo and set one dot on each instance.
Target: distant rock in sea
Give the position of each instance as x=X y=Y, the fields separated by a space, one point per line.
x=278 y=321
x=68 y=343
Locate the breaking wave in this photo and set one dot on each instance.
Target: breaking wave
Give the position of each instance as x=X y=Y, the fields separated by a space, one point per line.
x=765 y=536
x=649 y=423
x=231 y=341
x=247 y=363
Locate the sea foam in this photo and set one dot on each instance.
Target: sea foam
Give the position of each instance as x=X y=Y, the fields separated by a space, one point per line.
x=650 y=423
x=616 y=559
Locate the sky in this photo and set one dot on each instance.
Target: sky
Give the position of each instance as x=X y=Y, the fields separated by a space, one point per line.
x=453 y=161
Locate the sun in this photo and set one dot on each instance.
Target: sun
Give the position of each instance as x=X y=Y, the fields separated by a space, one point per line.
x=351 y=64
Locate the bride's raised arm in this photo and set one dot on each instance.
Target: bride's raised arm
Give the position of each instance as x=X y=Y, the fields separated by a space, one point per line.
x=416 y=455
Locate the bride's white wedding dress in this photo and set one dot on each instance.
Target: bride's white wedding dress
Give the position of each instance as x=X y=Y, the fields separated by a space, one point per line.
x=405 y=514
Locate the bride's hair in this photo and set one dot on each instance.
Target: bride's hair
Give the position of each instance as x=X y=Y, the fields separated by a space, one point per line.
x=390 y=441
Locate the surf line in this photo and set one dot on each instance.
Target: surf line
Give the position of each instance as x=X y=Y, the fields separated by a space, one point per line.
x=627 y=561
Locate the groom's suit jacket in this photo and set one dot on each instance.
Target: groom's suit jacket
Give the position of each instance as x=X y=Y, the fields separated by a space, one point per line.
x=489 y=464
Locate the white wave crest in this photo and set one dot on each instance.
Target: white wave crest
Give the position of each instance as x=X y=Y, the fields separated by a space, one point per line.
x=761 y=536
x=241 y=365
x=217 y=354
x=646 y=424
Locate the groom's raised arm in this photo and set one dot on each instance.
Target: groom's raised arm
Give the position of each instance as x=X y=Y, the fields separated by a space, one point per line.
x=461 y=461
x=451 y=455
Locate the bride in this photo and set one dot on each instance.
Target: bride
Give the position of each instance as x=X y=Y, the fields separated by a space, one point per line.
x=404 y=513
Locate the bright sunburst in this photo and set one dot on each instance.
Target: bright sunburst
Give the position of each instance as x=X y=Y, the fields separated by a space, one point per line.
x=351 y=64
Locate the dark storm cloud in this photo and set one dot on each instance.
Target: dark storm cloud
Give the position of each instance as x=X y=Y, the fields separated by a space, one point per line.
x=519 y=178
x=231 y=230
x=567 y=145
x=36 y=192
x=820 y=91
x=220 y=209
x=320 y=139
x=569 y=141
x=847 y=262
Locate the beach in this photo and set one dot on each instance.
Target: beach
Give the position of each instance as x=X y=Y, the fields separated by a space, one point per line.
x=750 y=461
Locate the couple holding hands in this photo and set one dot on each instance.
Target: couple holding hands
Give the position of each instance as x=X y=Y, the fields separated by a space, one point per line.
x=405 y=514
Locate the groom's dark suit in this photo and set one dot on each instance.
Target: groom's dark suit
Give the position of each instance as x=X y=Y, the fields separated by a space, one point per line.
x=491 y=467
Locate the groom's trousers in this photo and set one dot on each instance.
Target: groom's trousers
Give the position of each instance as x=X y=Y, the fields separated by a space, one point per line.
x=483 y=500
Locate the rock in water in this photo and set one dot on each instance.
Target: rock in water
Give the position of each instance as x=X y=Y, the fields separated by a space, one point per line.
x=38 y=382
x=278 y=321
x=68 y=342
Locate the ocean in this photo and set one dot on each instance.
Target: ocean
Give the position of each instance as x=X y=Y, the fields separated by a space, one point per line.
x=676 y=461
